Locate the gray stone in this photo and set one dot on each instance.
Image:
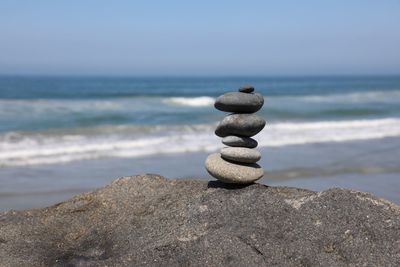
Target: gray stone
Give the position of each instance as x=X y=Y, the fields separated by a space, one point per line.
x=245 y=125
x=240 y=154
x=147 y=220
x=239 y=102
x=246 y=89
x=228 y=172
x=239 y=141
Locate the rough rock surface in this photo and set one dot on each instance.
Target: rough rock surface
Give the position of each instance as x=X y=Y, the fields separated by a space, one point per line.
x=245 y=125
x=150 y=221
x=239 y=102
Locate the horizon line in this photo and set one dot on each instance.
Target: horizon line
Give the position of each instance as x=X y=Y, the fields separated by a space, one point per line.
x=50 y=75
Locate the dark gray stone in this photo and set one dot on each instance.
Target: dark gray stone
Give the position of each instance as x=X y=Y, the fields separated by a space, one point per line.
x=147 y=220
x=245 y=125
x=239 y=102
x=240 y=154
x=246 y=89
x=231 y=172
x=239 y=141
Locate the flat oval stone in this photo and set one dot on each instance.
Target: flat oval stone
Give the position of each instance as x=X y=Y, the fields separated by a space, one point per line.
x=228 y=172
x=239 y=141
x=245 y=125
x=239 y=102
x=240 y=154
x=246 y=88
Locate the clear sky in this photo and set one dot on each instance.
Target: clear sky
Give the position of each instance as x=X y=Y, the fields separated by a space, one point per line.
x=207 y=37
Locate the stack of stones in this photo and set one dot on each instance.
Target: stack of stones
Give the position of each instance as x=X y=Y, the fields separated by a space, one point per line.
x=237 y=162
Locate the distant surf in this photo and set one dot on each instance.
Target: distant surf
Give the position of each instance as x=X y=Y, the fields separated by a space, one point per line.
x=48 y=120
x=42 y=114
x=190 y=101
x=20 y=149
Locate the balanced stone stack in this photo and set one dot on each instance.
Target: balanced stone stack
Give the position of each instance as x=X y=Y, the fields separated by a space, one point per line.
x=236 y=163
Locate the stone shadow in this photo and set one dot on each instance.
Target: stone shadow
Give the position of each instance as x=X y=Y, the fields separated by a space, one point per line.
x=219 y=184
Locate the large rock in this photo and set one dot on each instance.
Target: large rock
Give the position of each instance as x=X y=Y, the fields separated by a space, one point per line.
x=239 y=102
x=245 y=125
x=150 y=221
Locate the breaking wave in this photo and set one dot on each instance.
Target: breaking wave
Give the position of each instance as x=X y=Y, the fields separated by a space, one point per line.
x=200 y=101
x=24 y=148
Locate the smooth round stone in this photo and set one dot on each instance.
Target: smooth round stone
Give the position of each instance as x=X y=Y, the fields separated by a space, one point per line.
x=240 y=154
x=239 y=141
x=246 y=89
x=229 y=172
x=239 y=102
x=245 y=125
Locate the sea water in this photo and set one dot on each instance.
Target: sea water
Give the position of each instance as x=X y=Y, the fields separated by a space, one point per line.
x=125 y=125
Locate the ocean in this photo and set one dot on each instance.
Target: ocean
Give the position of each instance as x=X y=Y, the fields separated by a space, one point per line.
x=63 y=135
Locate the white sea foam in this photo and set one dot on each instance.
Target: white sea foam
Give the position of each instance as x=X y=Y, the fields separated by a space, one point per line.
x=200 y=101
x=71 y=108
x=282 y=134
x=19 y=149
x=41 y=108
x=58 y=104
x=358 y=97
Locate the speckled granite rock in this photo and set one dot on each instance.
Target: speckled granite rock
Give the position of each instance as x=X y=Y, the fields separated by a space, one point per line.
x=150 y=221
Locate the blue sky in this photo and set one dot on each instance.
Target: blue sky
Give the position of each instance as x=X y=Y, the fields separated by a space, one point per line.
x=199 y=37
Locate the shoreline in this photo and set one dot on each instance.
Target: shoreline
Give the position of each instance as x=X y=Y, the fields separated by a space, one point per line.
x=369 y=166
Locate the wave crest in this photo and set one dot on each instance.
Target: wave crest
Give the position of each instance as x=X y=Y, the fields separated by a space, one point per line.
x=19 y=149
x=200 y=101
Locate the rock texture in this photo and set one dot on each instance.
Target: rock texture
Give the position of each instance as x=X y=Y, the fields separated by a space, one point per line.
x=233 y=172
x=240 y=154
x=245 y=125
x=239 y=102
x=150 y=221
x=246 y=89
x=237 y=162
x=239 y=141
